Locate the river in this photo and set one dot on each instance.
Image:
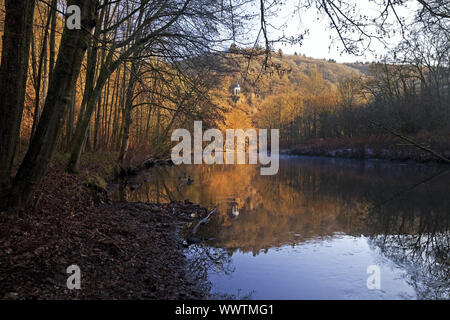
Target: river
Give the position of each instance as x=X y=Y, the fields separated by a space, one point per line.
x=321 y=228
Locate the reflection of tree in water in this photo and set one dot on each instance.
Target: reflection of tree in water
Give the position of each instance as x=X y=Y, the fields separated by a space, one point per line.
x=418 y=242
x=424 y=257
x=310 y=199
x=160 y=186
x=202 y=260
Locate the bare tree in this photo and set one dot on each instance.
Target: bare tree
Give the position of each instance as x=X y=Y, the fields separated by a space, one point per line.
x=13 y=76
x=72 y=49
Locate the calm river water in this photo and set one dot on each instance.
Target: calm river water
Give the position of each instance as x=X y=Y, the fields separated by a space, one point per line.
x=313 y=230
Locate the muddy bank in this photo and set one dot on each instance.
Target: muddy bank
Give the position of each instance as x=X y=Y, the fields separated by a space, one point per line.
x=124 y=250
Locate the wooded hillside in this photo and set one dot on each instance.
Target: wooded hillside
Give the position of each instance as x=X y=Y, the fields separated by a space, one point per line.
x=136 y=70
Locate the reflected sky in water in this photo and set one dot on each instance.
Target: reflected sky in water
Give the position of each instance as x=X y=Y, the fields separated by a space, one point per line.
x=311 y=231
x=328 y=269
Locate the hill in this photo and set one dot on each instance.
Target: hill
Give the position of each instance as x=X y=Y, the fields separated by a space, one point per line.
x=276 y=86
x=282 y=71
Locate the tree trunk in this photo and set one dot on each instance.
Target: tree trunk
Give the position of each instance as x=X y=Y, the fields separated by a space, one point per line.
x=18 y=28
x=106 y=70
x=71 y=120
x=52 y=40
x=41 y=75
x=68 y=65
x=127 y=114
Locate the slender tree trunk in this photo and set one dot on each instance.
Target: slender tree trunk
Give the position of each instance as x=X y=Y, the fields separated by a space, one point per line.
x=106 y=70
x=127 y=114
x=41 y=75
x=106 y=103
x=121 y=107
x=72 y=49
x=18 y=28
x=83 y=129
x=114 y=101
x=71 y=119
x=52 y=40
x=91 y=69
x=126 y=134
x=97 y=124
x=147 y=126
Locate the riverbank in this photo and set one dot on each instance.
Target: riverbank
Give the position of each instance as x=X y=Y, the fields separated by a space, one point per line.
x=124 y=250
x=383 y=148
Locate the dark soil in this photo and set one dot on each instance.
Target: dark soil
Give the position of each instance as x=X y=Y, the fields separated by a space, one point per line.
x=124 y=250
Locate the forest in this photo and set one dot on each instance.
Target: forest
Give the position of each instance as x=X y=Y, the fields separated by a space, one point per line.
x=149 y=67
x=80 y=107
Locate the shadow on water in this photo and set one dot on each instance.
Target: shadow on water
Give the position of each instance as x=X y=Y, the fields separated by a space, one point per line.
x=312 y=230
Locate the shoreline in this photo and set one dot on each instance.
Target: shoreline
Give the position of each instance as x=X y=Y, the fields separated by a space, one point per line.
x=124 y=250
x=354 y=154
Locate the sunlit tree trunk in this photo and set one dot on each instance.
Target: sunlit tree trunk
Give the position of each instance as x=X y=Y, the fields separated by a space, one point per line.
x=72 y=49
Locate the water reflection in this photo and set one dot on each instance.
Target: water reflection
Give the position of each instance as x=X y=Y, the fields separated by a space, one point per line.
x=311 y=231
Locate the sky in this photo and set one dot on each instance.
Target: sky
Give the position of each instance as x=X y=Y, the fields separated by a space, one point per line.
x=317 y=42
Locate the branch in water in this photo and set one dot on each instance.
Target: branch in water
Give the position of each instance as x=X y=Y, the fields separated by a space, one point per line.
x=203 y=221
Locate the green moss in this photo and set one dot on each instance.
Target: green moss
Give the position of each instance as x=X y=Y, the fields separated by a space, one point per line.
x=103 y=165
x=61 y=156
x=97 y=181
